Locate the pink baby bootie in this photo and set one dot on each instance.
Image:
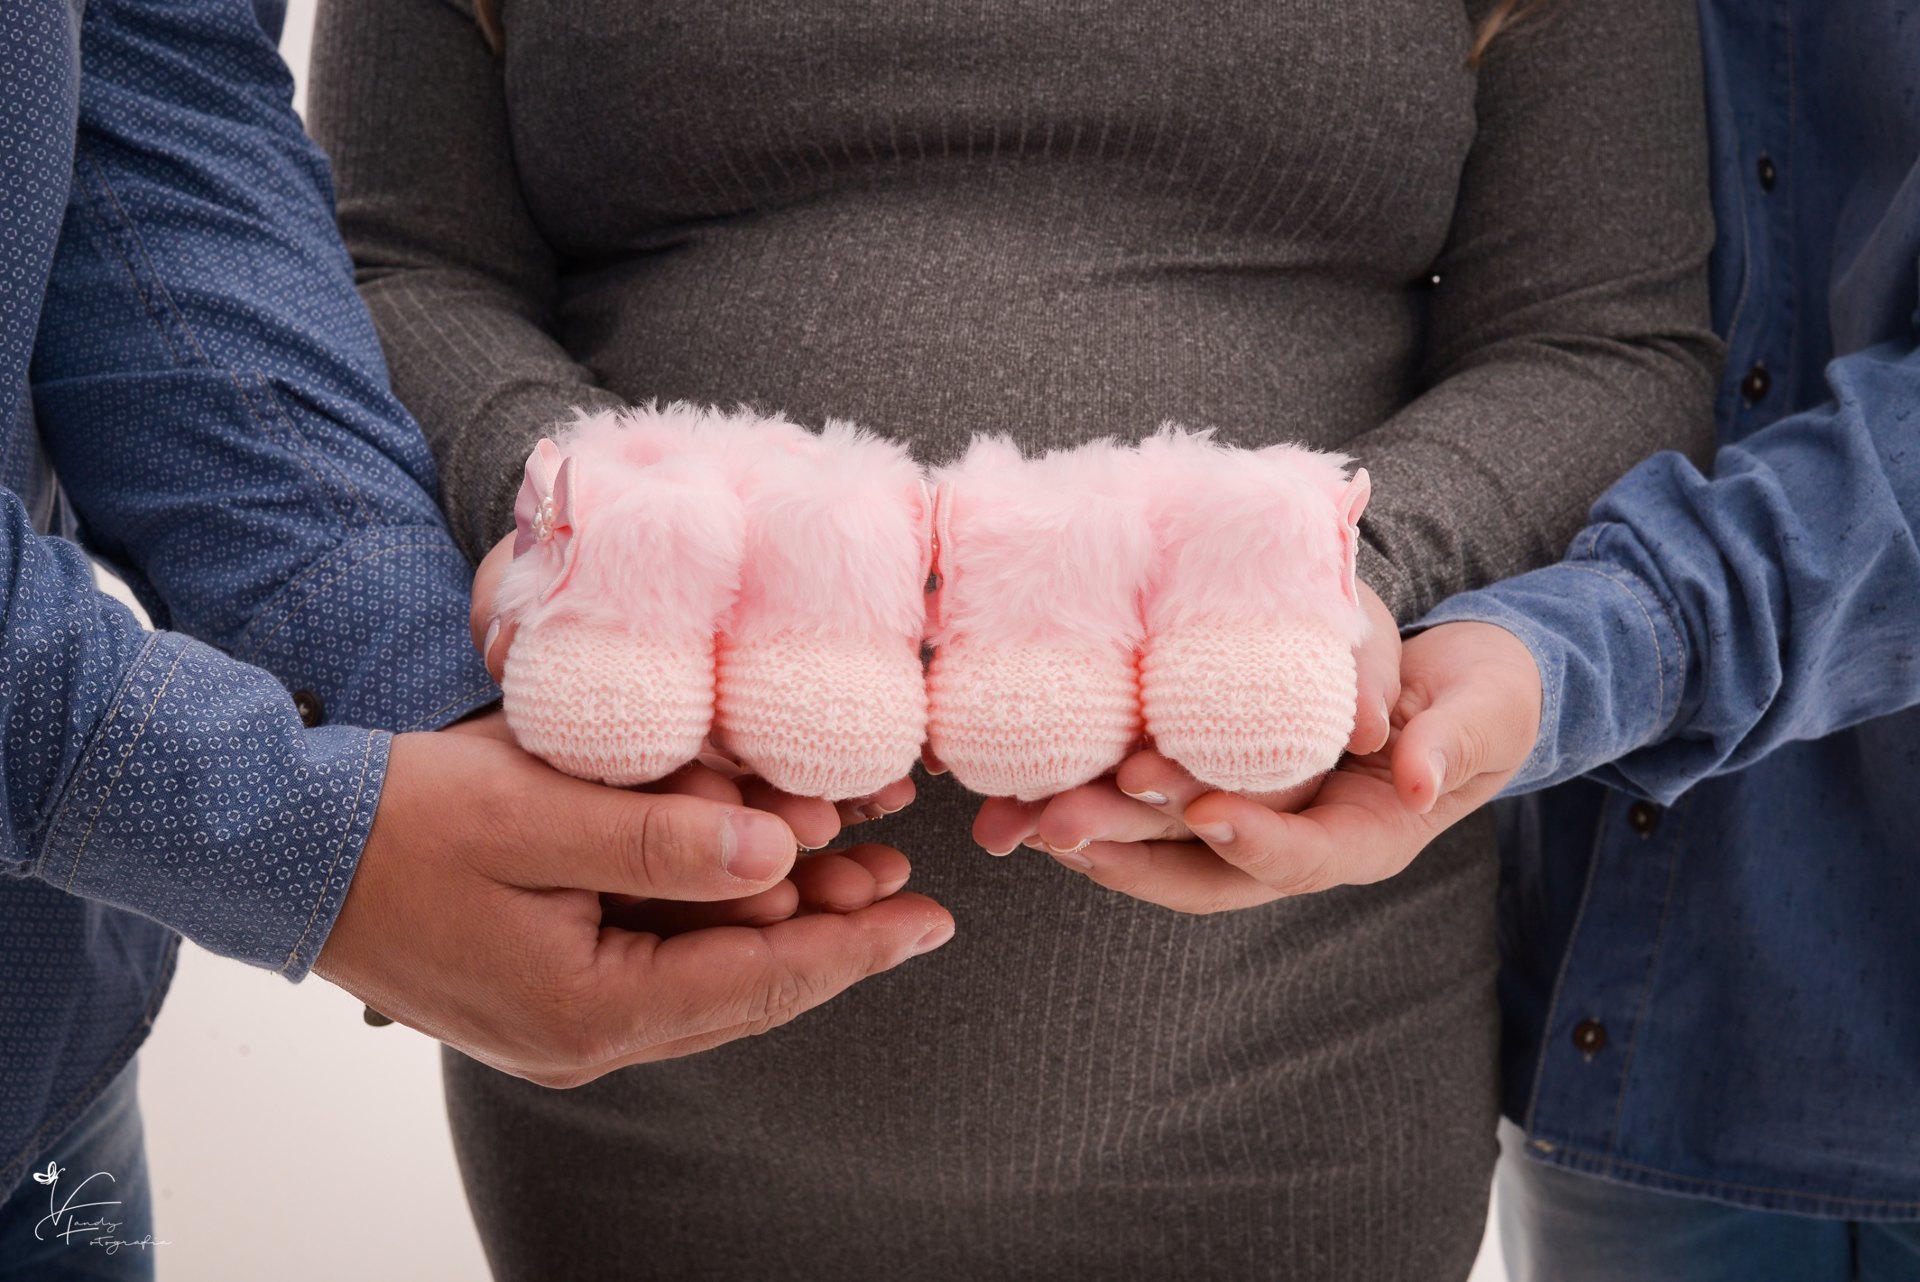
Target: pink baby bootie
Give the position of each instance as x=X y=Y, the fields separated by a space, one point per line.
x=1033 y=686
x=627 y=555
x=821 y=691
x=686 y=578
x=1252 y=611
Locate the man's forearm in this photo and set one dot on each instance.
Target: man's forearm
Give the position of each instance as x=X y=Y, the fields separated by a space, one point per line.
x=1702 y=622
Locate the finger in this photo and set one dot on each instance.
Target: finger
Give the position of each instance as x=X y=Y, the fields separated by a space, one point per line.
x=491 y=637
x=932 y=764
x=1182 y=875
x=1377 y=676
x=696 y=780
x=895 y=796
x=1158 y=781
x=1453 y=741
x=1003 y=823
x=1099 y=812
x=675 y=917
x=491 y=724
x=1356 y=832
x=572 y=834
x=833 y=881
x=814 y=822
x=654 y=991
x=889 y=868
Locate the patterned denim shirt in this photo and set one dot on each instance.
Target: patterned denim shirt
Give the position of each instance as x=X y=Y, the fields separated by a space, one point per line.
x=1712 y=944
x=181 y=344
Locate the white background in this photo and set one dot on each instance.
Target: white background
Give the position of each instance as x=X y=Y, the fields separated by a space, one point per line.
x=287 y=1139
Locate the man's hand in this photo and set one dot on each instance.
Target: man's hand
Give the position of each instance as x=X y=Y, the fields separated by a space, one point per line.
x=518 y=915
x=814 y=822
x=1467 y=714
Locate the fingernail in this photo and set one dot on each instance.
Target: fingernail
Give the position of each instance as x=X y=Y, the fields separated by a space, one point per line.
x=933 y=939
x=1070 y=850
x=1079 y=863
x=998 y=854
x=493 y=634
x=753 y=847
x=1151 y=797
x=870 y=811
x=1034 y=843
x=1437 y=766
x=1214 y=834
x=885 y=888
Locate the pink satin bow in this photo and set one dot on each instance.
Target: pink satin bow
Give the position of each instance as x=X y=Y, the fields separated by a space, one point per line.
x=543 y=514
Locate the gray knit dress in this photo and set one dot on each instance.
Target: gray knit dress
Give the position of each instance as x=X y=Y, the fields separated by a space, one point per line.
x=1062 y=219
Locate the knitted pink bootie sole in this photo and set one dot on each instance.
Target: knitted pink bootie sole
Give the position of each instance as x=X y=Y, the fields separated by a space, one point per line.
x=1249 y=709
x=627 y=556
x=997 y=714
x=821 y=717
x=602 y=703
x=1247 y=676
x=821 y=691
x=1033 y=687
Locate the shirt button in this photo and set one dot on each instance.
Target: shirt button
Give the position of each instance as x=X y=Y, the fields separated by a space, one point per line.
x=1589 y=1037
x=1643 y=818
x=307 y=704
x=1768 y=174
x=1754 y=386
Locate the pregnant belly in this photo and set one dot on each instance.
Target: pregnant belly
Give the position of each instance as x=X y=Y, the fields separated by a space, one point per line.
x=930 y=315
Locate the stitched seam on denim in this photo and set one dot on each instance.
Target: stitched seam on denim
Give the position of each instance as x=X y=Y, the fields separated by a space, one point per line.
x=1566 y=961
x=326 y=886
x=110 y=228
x=1703 y=1182
x=1646 y=987
x=265 y=387
x=341 y=573
x=133 y=746
x=159 y=297
x=275 y=610
x=85 y=1097
x=431 y=720
x=1660 y=651
x=57 y=819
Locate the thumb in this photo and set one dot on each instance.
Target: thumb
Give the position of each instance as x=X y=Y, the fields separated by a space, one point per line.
x=1469 y=727
x=491 y=635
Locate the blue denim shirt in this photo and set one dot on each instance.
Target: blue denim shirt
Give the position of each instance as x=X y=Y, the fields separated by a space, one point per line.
x=1712 y=942
x=181 y=343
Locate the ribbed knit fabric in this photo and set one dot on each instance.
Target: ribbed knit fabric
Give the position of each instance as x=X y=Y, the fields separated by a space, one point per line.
x=1031 y=720
x=608 y=703
x=1249 y=709
x=822 y=716
x=1062 y=220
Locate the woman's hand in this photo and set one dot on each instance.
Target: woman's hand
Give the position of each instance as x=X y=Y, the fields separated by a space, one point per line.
x=814 y=822
x=1465 y=721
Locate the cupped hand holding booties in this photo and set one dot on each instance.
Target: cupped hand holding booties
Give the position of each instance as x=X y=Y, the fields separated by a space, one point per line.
x=687 y=580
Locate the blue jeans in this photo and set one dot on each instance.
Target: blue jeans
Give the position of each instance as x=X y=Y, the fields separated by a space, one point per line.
x=1558 y=1226
x=49 y=1233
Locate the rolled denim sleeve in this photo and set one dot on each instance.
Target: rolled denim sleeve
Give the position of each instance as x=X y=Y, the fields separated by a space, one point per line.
x=152 y=772
x=1703 y=621
x=212 y=393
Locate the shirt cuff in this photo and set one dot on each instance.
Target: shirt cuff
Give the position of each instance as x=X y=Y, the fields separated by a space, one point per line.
x=375 y=634
x=203 y=803
x=1612 y=660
